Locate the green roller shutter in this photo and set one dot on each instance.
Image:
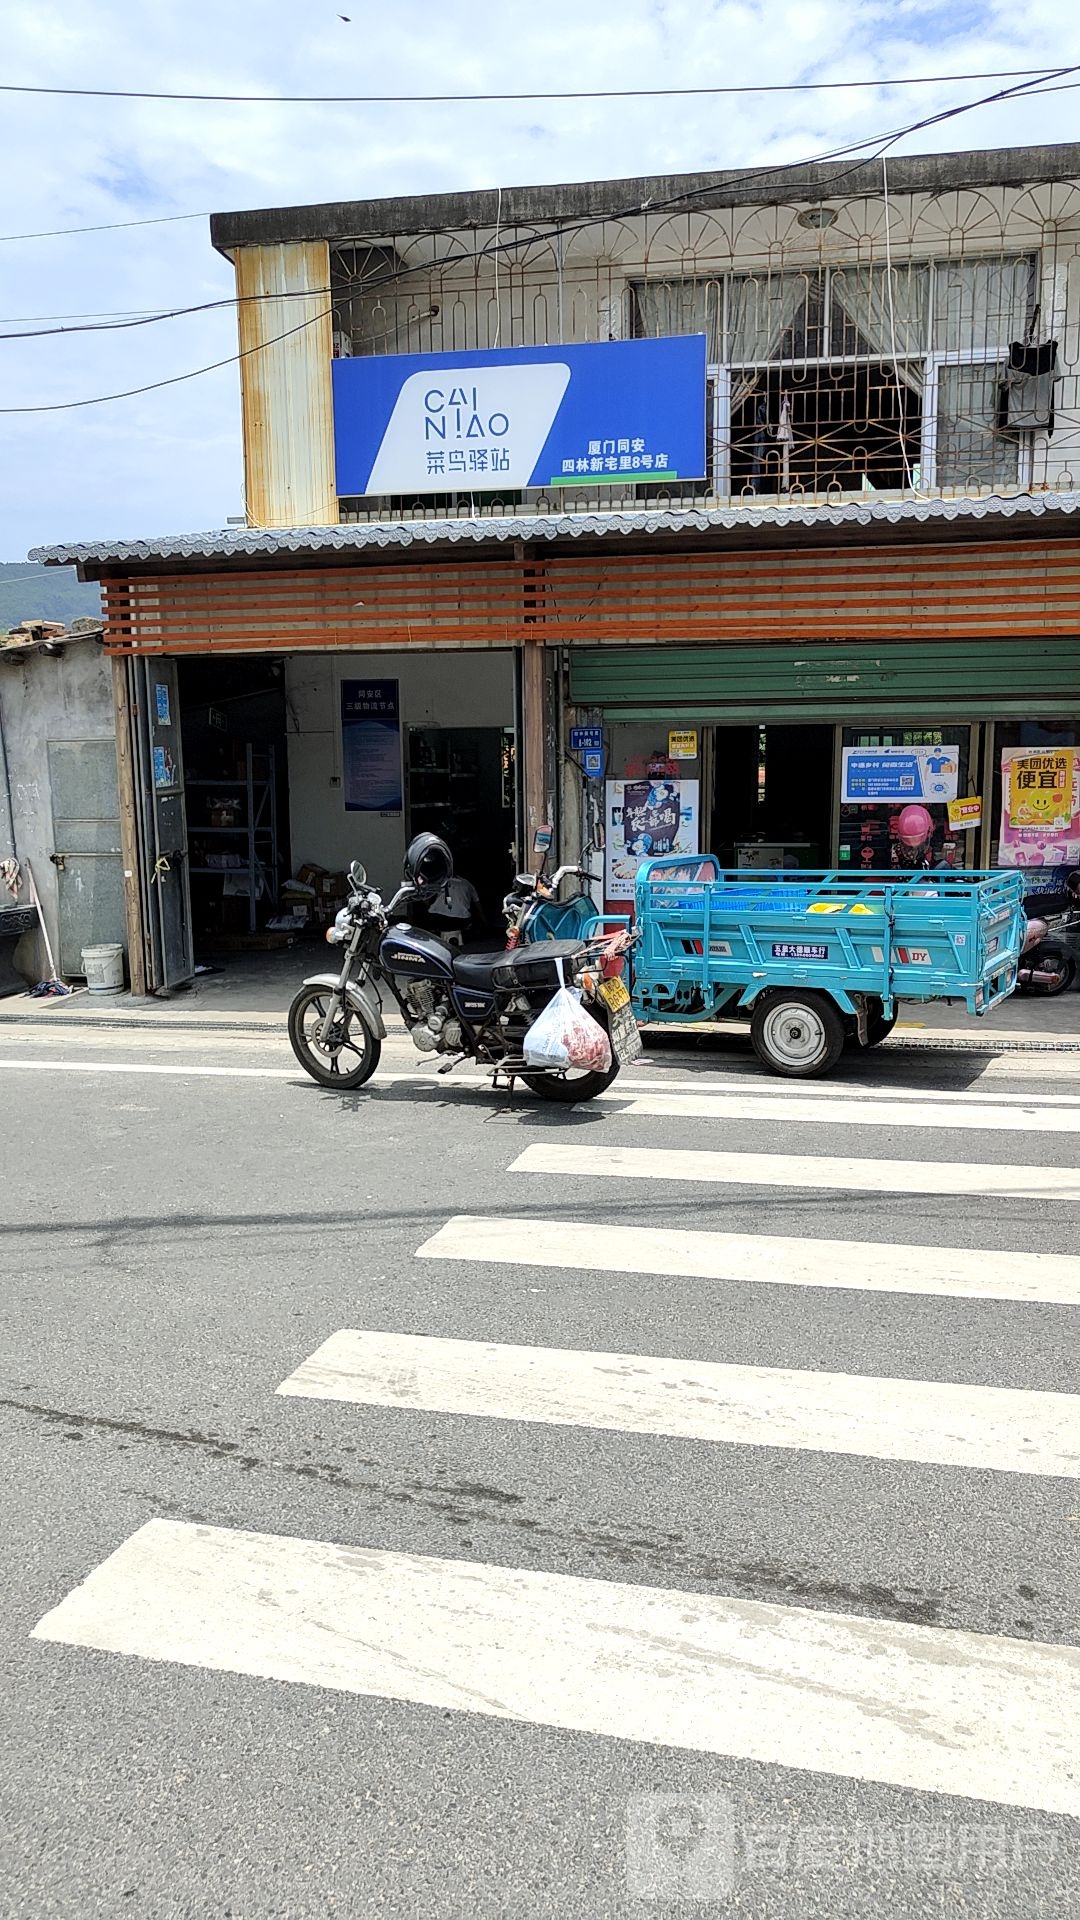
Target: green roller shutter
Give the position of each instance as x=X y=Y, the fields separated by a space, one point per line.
x=932 y=679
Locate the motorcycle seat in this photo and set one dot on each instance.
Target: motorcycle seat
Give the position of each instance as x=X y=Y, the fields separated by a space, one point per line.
x=528 y=966
x=475 y=969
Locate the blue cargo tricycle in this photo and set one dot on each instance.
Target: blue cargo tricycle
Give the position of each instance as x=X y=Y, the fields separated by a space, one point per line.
x=818 y=959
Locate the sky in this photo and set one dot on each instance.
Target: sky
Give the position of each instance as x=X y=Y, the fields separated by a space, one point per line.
x=169 y=461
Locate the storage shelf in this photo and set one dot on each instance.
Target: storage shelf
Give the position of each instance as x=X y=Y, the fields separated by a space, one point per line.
x=259 y=871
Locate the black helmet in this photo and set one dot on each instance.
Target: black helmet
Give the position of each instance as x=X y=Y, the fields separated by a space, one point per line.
x=428 y=861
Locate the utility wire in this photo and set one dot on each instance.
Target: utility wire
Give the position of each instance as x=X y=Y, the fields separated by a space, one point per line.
x=480 y=99
x=144 y=317
x=98 y=399
x=107 y=226
x=1025 y=89
x=167 y=219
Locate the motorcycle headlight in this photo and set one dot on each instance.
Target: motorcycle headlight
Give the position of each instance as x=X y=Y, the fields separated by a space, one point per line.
x=341 y=928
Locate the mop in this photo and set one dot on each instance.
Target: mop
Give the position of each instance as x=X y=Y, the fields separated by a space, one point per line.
x=53 y=987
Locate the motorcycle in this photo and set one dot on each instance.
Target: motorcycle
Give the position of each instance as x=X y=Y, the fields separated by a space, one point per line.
x=534 y=910
x=468 y=1006
x=1046 y=965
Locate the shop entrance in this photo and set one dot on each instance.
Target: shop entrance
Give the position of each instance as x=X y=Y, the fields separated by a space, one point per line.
x=232 y=713
x=462 y=786
x=772 y=795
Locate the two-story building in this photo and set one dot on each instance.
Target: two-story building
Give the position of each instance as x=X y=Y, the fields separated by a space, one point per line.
x=815 y=488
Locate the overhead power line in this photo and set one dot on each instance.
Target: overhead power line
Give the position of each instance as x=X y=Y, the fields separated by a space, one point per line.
x=106 y=226
x=483 y=99
x=881 y=142
x=174 y=380
x=1031 y=75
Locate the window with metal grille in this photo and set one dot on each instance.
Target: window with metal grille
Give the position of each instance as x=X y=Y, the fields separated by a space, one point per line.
x=846 y=378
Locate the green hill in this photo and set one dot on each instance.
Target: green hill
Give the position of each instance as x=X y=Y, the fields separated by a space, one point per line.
x=30 y=592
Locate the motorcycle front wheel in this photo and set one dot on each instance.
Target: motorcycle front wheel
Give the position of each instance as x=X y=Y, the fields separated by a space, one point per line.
x=351 y=1053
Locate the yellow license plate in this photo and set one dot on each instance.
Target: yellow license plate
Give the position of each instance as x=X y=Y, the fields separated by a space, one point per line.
x=614 y=995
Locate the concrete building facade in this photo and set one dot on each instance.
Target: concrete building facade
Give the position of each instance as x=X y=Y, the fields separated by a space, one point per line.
x=880 y=548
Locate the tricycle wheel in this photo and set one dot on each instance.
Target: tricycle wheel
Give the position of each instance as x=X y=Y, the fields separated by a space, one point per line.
x=797 y=1033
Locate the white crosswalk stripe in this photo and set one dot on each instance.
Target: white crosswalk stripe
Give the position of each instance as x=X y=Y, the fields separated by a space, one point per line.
x=942 y=1711
x=885 y=1419
x=658 y=1164
x=958 y=1273
x=1026 y=1117
x=932 y=1709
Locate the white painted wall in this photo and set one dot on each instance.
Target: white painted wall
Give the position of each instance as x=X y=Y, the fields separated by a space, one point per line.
x=448 y=689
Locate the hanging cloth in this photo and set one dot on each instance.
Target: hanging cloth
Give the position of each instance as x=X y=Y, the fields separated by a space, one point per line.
x=785 y=434
x=1028 y=387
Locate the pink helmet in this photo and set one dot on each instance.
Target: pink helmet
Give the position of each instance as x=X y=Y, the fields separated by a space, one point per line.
x=914 y=826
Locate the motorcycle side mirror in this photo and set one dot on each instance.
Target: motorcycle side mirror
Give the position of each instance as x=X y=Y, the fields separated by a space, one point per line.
x=542 y=840
x=358 y=875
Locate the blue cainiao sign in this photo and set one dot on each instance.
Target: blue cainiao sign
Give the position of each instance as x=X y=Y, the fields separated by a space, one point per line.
x=602 y=415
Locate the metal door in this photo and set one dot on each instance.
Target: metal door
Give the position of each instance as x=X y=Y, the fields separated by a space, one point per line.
x=86 y=847
x=161 y=822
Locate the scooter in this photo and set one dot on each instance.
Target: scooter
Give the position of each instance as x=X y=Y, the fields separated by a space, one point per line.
x=1046 y=966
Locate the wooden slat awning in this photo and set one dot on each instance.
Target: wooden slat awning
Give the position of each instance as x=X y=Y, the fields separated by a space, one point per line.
x=906 y=592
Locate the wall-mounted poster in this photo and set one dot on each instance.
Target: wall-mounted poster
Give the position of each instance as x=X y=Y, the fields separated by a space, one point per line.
x=1040 y=807
x=371 y=746
x=876 y=774
x=645 y=818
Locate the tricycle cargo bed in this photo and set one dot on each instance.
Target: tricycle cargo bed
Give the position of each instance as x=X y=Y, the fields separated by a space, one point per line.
x=710 y=938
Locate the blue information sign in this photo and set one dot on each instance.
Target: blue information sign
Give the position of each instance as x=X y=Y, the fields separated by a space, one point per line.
x=593 y=762
x=586 y=739
x=899 y=773
x=613 y=412
x=371 y=746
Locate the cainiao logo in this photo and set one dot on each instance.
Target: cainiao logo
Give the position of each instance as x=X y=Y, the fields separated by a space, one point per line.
x=484 y=424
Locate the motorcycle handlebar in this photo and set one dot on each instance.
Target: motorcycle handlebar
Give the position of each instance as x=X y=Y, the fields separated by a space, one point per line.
x=532 y=882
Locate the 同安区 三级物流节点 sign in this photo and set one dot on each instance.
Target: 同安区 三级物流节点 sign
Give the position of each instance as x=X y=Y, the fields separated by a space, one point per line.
x=607 y=414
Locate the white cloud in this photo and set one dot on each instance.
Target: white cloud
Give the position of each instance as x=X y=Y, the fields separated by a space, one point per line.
x=170 y=460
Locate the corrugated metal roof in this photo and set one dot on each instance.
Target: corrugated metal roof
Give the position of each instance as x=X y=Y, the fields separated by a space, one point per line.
x=252 y=542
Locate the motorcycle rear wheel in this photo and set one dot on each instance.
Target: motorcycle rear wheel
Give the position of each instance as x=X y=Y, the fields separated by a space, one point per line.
x=354 y=1049
x=1052 y=958
x=569 y=1087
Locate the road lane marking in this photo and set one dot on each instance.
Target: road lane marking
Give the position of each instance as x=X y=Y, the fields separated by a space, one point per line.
x=871 y=1111
x=778 y=1092
x=931 y=1709
x=957 y=1273
x=658 y=1164
x=151 y=1067
x=932 y=1422
x=709 y=1099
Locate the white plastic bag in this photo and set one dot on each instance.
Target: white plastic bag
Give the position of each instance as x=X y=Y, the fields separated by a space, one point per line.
x=565 y=1035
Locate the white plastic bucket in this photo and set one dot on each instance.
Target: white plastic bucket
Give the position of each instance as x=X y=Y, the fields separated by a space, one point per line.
x=104 y=968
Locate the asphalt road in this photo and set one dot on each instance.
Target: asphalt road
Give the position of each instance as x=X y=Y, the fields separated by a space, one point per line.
x=328 y=1736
